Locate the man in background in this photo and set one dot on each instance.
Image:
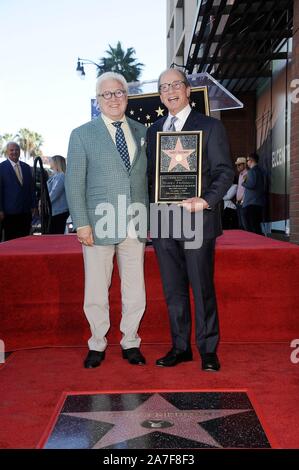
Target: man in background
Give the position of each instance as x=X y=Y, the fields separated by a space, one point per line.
x=17 y=196
x=254 y=196
x=242 y=170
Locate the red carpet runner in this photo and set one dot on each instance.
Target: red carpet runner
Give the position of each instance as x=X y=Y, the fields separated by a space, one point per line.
x=257 y=283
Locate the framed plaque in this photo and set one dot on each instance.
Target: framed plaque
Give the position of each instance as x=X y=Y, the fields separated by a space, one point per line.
x=178 y=166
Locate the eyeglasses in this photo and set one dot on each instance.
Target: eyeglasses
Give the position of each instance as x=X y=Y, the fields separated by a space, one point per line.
x=107 y=95
x=176 y=85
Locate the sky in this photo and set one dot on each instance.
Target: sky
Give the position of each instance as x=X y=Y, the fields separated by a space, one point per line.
x=40 y=42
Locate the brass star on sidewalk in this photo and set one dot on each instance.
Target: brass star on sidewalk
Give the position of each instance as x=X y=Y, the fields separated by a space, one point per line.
x=179 y=156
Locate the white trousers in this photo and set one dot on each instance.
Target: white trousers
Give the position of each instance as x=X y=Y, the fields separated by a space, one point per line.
x=98 y=266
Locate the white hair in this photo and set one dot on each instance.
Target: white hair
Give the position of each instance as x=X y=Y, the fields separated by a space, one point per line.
x=111 y=76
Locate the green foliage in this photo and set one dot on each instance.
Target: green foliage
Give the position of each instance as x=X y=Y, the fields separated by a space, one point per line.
x=122 y=62
x=4 y=139
x=30 y=142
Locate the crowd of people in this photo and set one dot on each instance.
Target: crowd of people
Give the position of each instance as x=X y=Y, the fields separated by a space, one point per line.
x=114 y=155
x=19 y=198
x=244 y=203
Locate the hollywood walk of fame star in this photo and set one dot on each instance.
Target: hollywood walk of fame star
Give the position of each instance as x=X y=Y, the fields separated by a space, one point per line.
x=179 y=156
x=128 y=424
x=159 y=111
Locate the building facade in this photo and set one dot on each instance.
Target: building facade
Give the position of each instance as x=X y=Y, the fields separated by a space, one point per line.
x=251 y=47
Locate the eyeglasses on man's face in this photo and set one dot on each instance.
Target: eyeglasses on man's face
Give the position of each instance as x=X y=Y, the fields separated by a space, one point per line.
x=107 y=95
x=176 y=85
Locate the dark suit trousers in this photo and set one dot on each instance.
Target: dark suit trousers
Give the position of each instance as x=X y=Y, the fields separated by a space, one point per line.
x=16 y=225
x=180 y=268
x=253 y=217
x=57 y=224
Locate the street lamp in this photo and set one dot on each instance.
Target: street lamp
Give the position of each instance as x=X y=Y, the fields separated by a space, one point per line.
x=80 y=66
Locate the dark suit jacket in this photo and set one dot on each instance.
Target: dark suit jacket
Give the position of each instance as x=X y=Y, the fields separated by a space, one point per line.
x=254 y=185
x=217 y=170
x=14 y=197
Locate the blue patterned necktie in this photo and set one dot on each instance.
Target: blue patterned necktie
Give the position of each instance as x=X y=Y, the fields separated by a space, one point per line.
x=121 y=144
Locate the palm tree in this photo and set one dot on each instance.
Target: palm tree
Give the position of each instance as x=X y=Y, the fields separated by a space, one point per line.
x=30 y=142
x=121 y=62
x=4 y=139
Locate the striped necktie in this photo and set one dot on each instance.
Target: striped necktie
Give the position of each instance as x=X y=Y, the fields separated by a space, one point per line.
x=171 y=126
x=121 y=144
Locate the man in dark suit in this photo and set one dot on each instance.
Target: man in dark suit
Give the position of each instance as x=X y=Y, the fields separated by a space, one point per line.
x=254 y=196
x=180 y=266
x=17 y=197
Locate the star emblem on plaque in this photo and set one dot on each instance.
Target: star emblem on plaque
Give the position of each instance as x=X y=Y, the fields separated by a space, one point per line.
x=178 y=166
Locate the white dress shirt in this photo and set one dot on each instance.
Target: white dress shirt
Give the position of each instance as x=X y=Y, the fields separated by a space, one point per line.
x=181 y=119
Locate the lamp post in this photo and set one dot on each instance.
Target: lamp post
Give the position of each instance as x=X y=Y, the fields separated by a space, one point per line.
x=80 y=66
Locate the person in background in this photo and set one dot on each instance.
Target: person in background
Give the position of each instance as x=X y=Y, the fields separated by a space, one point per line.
x=17 y=195
x=57 y=195
x=254 y=196
x=242 y=170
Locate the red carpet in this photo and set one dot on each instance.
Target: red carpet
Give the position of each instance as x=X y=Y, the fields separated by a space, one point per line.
x=32 y=383
x=257 y=285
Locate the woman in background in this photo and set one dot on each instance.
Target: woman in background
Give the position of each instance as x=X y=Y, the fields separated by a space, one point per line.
x=60 y=211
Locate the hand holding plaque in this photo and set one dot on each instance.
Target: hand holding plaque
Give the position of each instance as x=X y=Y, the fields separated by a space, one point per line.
x=178 y=166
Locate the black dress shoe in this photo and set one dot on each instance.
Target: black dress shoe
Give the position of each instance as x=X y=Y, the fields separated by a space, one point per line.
x=174 y=357
x=134 y=356
x=210 y=362
x=94 y=359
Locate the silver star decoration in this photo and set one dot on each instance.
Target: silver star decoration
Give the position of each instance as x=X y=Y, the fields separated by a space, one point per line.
x=140 y=109
x=132 y=112
x=127 y=424
x=193 y=104
x=148 y=117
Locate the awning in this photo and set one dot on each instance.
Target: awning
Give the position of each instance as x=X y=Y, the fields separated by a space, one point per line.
x=236 y=41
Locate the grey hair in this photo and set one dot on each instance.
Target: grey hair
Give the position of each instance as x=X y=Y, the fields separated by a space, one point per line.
x=182 y=74
x=111 y=76
x=59 y=162
x=12 y=143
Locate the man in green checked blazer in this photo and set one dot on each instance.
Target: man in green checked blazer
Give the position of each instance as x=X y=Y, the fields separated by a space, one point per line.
x=106 y=174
